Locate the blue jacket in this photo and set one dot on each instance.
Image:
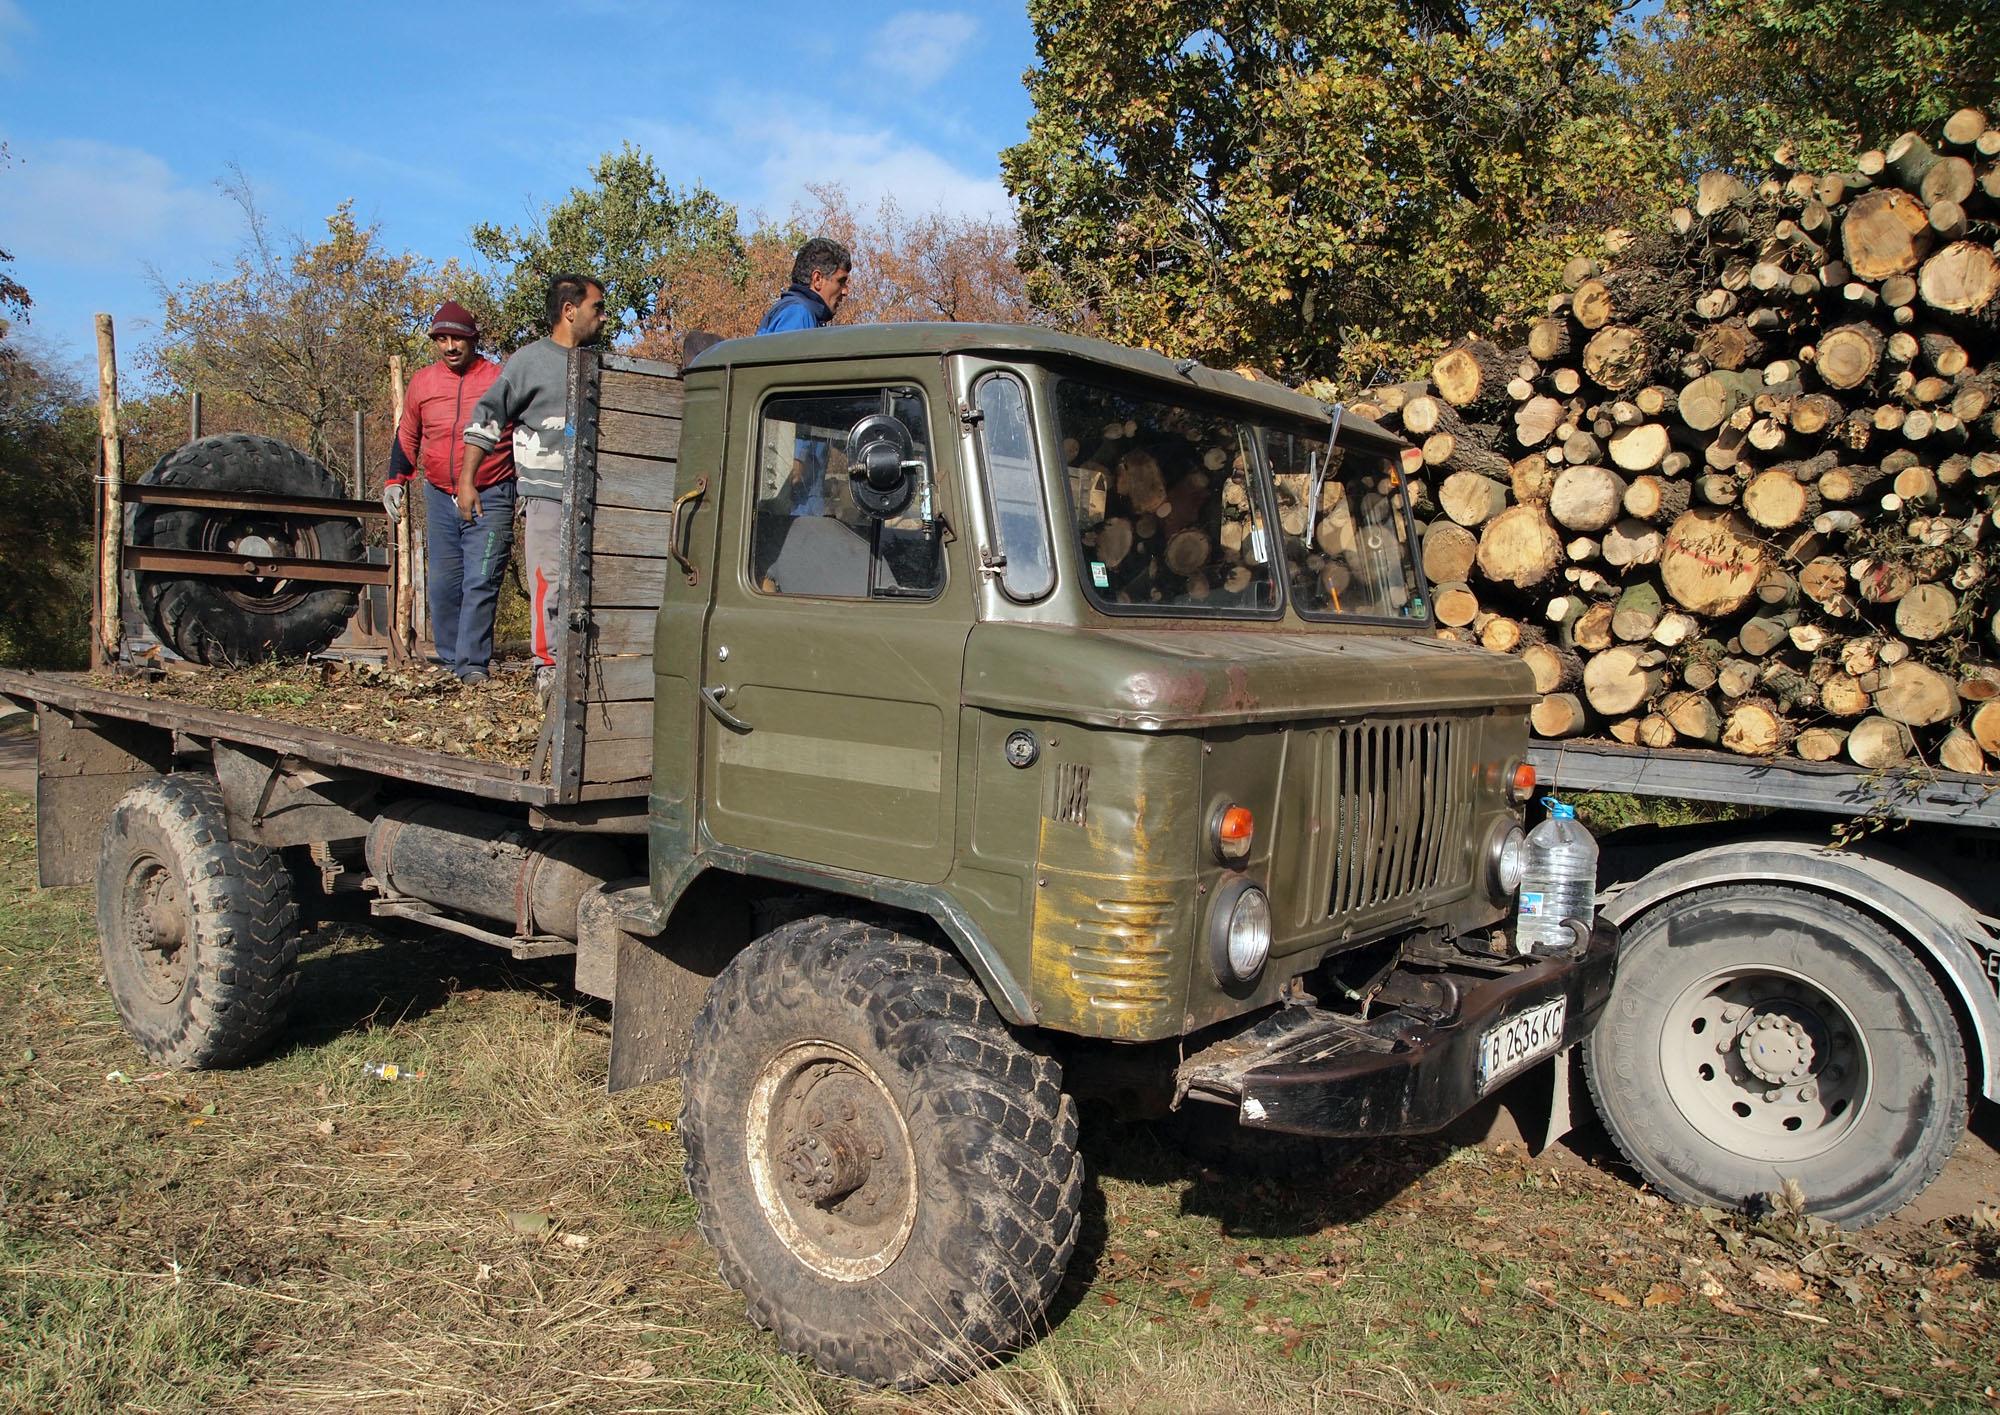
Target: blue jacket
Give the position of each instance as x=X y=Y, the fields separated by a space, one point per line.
x=797 y=308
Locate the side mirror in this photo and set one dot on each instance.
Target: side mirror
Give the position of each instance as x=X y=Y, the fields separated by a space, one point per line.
x=883 y=474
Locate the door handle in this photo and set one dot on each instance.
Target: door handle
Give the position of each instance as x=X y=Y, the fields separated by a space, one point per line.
x=677 y=526
x=711 y=698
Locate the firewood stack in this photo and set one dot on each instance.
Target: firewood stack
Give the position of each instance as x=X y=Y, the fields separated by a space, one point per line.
x=1741 y=486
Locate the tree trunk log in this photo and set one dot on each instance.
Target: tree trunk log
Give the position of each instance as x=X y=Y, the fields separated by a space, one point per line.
x=1519 y=547
x=1885 y=232
x=1620 y=679
x=1586 y=498
x=1712 y=562
x=1877 y=742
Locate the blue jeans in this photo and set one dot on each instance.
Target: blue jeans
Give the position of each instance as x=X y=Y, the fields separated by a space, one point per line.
x=465 y=563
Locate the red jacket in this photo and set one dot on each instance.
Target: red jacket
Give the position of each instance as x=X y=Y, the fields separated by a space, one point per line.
x=432 y=433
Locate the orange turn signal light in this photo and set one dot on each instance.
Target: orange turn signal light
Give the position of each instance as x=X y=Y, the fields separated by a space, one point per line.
x=1234 y=829
x=1522 y=785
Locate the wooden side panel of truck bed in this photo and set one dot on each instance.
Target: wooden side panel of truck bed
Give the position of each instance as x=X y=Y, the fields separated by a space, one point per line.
x=625 y=416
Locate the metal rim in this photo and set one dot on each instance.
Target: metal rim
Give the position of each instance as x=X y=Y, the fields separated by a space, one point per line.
x=831 y=1161
x=1767 y=1062
x=257 y=538
x=157 y=926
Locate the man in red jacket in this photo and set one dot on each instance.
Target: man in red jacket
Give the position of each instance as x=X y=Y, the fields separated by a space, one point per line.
x=466 y=557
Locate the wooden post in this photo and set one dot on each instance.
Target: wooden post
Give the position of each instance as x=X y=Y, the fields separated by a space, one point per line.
x=359 y=481
x=402 y=641
x=111 y=534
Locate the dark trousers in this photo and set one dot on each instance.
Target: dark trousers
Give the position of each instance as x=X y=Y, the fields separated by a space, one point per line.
x=465 y=563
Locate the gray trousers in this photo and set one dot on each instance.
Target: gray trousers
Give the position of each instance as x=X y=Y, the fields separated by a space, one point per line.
x=541 y=564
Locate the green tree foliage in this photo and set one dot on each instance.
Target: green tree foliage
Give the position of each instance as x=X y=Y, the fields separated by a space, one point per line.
x=1317 y=186
x=623 y=229
x=298 y=334
x=13 y=295
x=1729 y=82
x=48 y=461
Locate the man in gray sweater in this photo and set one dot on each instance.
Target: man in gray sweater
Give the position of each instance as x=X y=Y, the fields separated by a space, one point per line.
x=531 y=396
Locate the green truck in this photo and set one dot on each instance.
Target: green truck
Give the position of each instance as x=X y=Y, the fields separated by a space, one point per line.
x=956 y=722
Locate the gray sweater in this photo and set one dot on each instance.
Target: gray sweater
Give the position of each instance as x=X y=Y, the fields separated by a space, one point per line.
x=532 y=394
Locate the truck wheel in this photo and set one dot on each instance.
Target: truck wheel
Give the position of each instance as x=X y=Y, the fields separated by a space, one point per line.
x=1759 y=1033
x=886 y=1173
x=198 y=933
x=237 y=619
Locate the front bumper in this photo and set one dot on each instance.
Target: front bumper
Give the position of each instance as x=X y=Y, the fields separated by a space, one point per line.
x=1408 y=1072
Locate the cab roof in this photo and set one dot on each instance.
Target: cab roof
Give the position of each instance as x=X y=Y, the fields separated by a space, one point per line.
x=877 y=341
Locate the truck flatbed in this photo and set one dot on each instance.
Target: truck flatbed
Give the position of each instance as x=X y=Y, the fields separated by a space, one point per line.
x=74 y=693
x=1783 y=783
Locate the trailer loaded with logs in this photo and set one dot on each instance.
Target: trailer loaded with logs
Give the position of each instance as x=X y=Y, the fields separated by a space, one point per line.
x=1734 y=502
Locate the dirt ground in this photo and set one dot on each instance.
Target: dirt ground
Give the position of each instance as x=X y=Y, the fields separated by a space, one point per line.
x=492 y=1232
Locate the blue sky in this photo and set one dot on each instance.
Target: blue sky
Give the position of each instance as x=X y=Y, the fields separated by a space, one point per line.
x=120 y=118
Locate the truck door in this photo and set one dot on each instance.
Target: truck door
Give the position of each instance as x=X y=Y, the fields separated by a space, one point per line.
x=832 y=666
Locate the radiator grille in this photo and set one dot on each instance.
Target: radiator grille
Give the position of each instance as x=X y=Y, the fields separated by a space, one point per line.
x=1397 y=798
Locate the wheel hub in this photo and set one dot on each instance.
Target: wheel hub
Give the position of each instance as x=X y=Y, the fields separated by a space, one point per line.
x=1765 y=1062
x=831 y=1161
x=824 y=1166
x=156 y=926
x=257 y=538
x=1776 y=1049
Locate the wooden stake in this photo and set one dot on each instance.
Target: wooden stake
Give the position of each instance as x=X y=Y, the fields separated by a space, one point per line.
x=111 y=535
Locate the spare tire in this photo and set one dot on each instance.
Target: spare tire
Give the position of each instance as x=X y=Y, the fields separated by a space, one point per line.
x=239 y=619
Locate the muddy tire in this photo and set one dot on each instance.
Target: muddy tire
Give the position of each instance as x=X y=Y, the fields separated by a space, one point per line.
x=198 y=933
x=221 y=619
x=886 y=1173
x=1759 y=1033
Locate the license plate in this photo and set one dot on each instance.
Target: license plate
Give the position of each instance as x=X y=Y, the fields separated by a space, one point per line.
x=1527 y=1036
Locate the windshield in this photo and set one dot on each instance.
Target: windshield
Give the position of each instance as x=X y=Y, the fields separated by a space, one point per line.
x=1352 y=556
x=1166 y=502
x=1171 y=512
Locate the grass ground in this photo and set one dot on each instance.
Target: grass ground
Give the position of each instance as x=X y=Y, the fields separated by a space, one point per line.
x=498 y=1234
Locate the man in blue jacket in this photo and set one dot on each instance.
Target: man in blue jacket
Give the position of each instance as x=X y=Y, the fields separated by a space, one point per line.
x=819 y=283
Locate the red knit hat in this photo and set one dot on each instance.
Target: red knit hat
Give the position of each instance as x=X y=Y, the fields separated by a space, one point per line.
x=454 y=318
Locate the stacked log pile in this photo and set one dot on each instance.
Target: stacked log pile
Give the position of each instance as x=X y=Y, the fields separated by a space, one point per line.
x=1741 y=486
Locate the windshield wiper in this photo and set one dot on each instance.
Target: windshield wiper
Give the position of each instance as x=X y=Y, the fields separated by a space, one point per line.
x=1318 y=475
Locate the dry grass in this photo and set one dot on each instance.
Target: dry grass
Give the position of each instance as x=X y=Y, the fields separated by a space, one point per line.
x=501 y=1235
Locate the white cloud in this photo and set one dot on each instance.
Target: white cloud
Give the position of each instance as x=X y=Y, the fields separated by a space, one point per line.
x=869 y=165
x=763 y=157
x=78 y=204
x=14 y=26
x=922 y=46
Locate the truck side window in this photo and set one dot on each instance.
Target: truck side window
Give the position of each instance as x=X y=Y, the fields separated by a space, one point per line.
x=1014 y=488
x=808 y=535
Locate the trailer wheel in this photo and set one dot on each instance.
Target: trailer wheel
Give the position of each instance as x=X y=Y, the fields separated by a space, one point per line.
x=1759 y=1033
x=237 y=619
x=198 y=933
x=886 y=1173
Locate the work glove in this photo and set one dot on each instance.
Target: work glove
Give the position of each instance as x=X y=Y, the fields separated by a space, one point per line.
x=392 y=500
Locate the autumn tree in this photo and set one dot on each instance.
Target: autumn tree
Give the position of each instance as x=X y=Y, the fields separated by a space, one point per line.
x=622 y=229
x=48 y=463
x=298 y=333
x=14 y=301
x=1728 y=82
x=1317 y=187
x=936 y=265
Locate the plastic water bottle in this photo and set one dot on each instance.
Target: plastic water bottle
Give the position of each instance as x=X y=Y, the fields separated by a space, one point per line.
x=1558 y=883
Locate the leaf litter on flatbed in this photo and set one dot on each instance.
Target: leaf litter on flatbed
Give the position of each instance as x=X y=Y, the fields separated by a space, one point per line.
x=425 y=708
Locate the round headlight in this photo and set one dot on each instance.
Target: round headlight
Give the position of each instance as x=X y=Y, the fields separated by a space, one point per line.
x=1510 y=859
x=1244 y=935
